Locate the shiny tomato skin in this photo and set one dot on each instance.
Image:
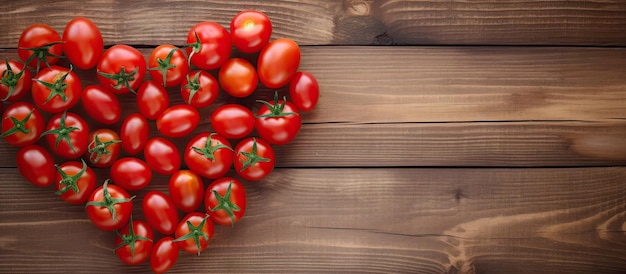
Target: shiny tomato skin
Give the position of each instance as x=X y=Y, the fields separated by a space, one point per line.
x=278 y=130
x=131 y=173
x=142 y=248
x=78 y=138
x=83 y=43
x=162 y=156
x=152 y=99
x=86 y=183
x=101 y=217
x=112 y=61
x=206 y=89
x=178 y=121
x=186 y=190
x=237 y=197
x=56 y=104
x=215 y=45
x=35 y=36
x=250 y=31
x=238 y=77
x=256 y=170
x=164 y=255
x=304 y=91
x=35 y=124
x=278 y=62
x=220 y=150
x=104 y=153
x=134 y=133
x=101 y=104
x=189 y=245
x=232 y=121
x=36 y=165
x=21 y=85
x=174 y=75
x=160 y=212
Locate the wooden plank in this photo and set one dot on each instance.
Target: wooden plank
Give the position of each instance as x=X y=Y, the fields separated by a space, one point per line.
x=353 y=22
x=564 y=220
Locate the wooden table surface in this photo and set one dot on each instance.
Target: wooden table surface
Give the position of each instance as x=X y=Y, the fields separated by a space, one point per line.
x=450 y=137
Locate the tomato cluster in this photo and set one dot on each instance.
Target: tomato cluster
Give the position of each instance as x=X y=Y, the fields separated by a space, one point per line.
x=42 y=116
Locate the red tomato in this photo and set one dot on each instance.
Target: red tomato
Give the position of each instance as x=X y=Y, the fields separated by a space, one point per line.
x=56 y=89
x=36 y=165
x=232 y=121
x=178 y=121
x=82 y=43
x=168 y=65
x=131 y=173
x=278 y=62
x=238 y=77
x=22 y=124
x=186 y=189
x=67 y=135
x=162 y=156
x=134 y=133
x=208 y=45
x=39 y=45
x=209 y=157
x=225 y=201
x=254 y=159
x=199 y=89
x=160 y=212
x=109 y=207
x=104 y=147
x=164 y=255
x=133 y=244
x=101 y=105
x=250 y=31
x=278 y=122
x=110 y=73
x=152 y=99
x=75 y=181
x=16 y=81
x=304 y=91
x=194 y=232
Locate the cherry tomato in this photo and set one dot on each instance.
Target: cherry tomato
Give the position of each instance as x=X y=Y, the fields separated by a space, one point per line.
x=162 y=156
x=75 y=181
x=101 y=104
x=164 y=255
x=131 y=173
x=209 y=45
x=168 y=65
x=133 y=244
x=209 y=157
x=134 y=133
x=304 y=91
x=199 y=89
x=278 y=122
x=250 y=31
x=278 y=62
x=232 y=121
x=22 y=124
x=82 y=43
x=67 y=135
x=194 y=232
x=16 y=81
x=160 y=212
x=109 y=207
x=110 y=73
x=56 y=89
x=104 y=147
x=238 y=77
x=254 y=159
x=39 y=45
x=186 y=190
x=178 y=121
x=152 y=99
x=225 y=201
x=36 y=165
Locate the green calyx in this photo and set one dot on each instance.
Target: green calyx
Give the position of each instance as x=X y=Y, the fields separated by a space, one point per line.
x=208 y=151
x=42 y=53
x=18 y=125
x=193 y=85
x=195 y=232
x=98 y=148
x=130 y=239
x=70 y=182
x=165 y=64
x=108 y=201
x=10 y=79
x=63 y=132
x=57 y=88
x=252 y=157
x=224 y=203
x=122 y=78
x=196 y=46
x=276 y=109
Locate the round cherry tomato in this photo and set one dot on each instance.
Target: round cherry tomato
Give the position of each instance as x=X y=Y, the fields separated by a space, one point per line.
x=110 y=73
x=199 y=89
x=254 y=159
x=75 y=181
x=22 y=124
x=67 y=135
x=186 y=190
x=104 y=147
x=39 y=45
x=168 y=65
x=152 y=99
x=278 y=62
x=131 y=173
x=133 y=244
x=36 y=165
x=194 y=232
x=209 y=157
x=56 y=89
x=109 y=207
x=232 y=121
x=250 y=31
x=209 y=45
x=134 y=133
x=178 y=121
x=101 y=104
x=82 y=43
x=162 y=156
x=238 y=77
x=278 y=122
x=164 y=255
x=225 y=201
x=160 y=212
x=304 y=91
x=16 y=81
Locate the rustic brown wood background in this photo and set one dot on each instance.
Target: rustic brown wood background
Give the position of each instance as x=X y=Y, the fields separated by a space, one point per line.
x=450 y=137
